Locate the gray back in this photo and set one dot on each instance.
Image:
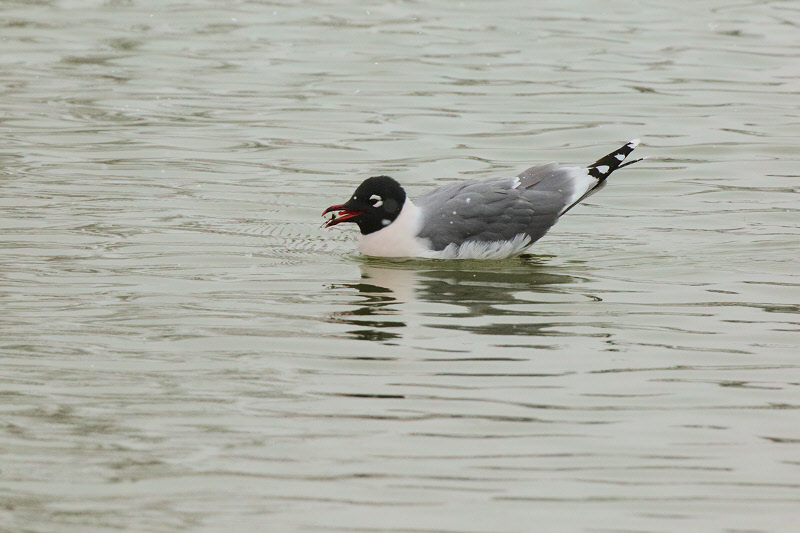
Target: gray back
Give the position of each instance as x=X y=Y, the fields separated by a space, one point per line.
x=493 y=210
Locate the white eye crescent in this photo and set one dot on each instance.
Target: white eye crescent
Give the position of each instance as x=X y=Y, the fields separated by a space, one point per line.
x=376 y=200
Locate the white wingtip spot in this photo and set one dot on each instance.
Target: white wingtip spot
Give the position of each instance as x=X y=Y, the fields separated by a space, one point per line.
x=602 y=169
x=620 y=157
x=516 y=183
x=634 y=143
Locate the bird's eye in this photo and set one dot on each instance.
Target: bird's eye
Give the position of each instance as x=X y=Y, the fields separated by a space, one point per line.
x=376 y=200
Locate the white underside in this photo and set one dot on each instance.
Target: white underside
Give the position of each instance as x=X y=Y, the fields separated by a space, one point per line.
x=399 y=239
x=484 y=250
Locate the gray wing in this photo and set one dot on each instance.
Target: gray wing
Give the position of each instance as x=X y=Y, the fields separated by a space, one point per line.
x=500 y=208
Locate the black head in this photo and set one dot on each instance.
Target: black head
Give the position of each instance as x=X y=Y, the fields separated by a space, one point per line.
x=376 y=203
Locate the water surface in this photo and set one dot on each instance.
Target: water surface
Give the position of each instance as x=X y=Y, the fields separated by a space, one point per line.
x=185 y=349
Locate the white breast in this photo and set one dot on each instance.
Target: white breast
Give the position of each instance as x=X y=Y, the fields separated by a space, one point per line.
x=398 y=239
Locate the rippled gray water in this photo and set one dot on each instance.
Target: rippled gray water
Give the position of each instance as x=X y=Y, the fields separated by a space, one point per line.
x=184 y=349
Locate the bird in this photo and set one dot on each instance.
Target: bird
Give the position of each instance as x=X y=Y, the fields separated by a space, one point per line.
x=491 y=218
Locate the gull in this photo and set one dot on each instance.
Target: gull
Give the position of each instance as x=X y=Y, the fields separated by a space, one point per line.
x=492 y=218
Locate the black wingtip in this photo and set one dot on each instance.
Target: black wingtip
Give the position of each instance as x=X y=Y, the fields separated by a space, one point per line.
x=603 y=167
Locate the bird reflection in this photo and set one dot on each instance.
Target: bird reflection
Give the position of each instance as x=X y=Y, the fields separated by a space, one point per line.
x=394 y=295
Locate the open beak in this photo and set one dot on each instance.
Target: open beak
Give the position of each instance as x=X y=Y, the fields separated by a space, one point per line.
x=342 y=214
